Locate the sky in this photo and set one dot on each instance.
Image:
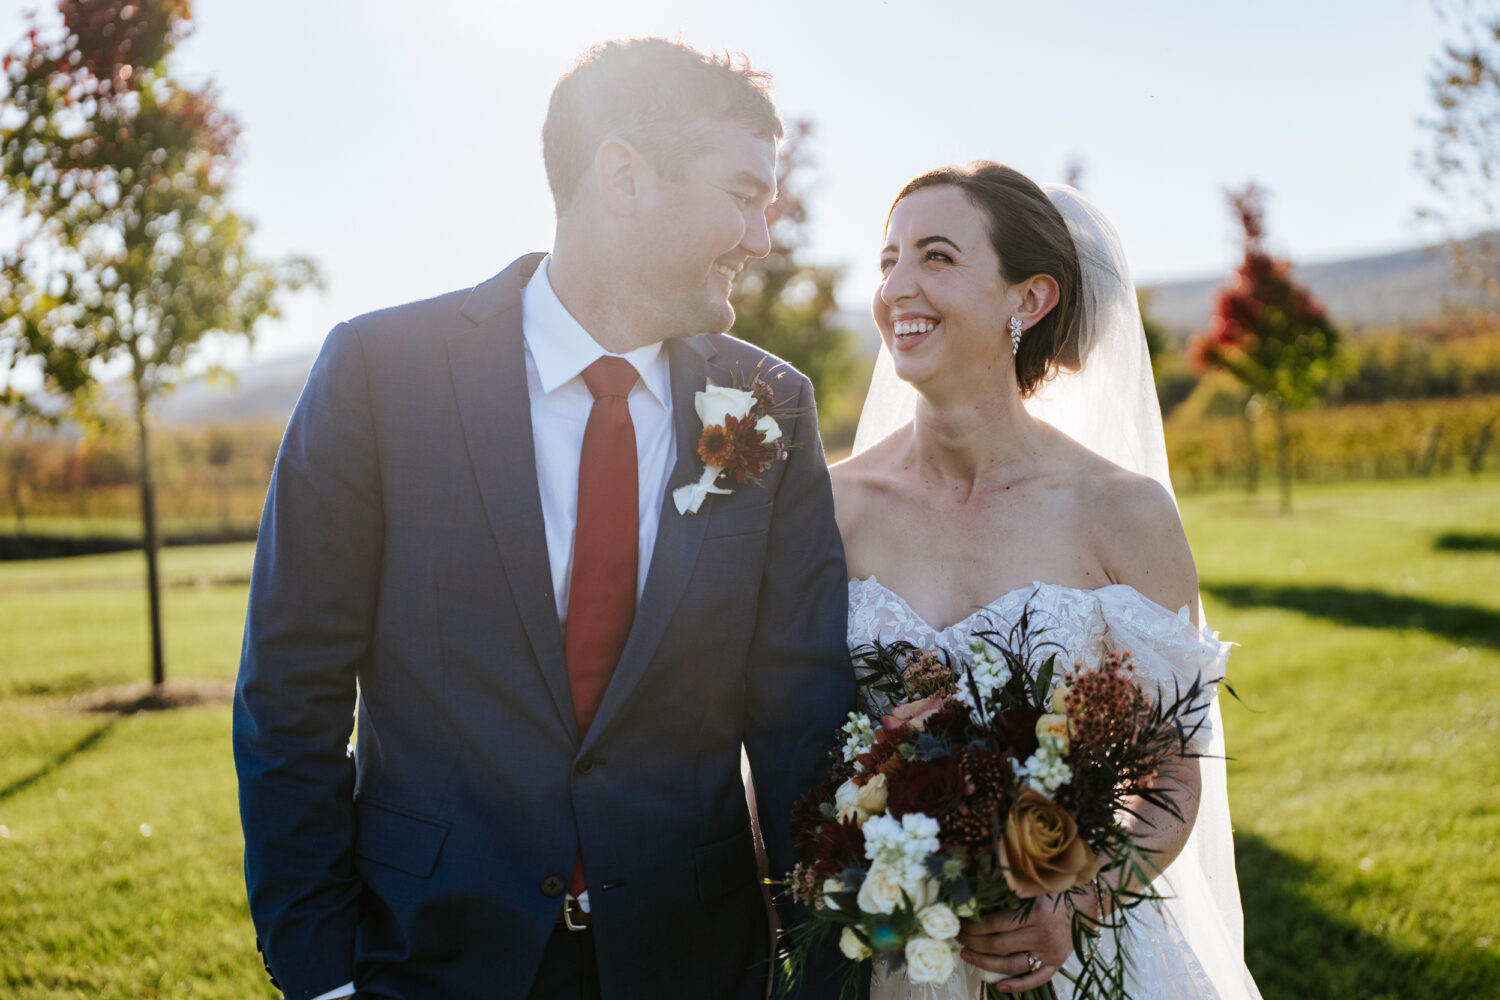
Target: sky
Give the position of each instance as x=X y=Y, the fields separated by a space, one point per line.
x=398 y=142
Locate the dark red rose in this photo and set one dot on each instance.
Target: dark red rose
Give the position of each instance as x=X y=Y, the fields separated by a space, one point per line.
x=930 y=787
x=950 y=724
x=1019 y=727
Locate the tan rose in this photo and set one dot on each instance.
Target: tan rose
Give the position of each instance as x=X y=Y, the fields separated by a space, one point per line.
x=1060 y=699
x=1041 y=852
x=872 y=795
x=1055 y=726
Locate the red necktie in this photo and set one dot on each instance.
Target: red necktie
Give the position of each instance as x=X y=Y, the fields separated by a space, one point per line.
x=601 y=596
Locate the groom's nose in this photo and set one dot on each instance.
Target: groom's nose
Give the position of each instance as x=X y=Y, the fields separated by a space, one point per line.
x=757 y=239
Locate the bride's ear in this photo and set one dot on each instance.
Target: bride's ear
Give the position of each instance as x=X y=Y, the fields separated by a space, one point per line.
x=1039 y=295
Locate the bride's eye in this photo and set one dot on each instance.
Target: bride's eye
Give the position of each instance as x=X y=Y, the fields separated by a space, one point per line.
x=938 y=256
x=886 y=263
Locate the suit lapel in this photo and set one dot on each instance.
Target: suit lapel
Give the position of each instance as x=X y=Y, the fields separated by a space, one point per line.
x=488 y=366
x=678 y=536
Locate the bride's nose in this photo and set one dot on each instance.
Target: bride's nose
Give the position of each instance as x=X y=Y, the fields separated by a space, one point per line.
x=899 y=284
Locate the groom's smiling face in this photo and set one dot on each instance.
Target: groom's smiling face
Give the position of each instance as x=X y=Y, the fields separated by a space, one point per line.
x=701 y=224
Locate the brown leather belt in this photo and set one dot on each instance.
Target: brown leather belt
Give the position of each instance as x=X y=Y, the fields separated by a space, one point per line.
x=574 y=917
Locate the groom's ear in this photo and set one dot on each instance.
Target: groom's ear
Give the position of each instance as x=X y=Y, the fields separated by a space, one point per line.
x=1039 y=294
x=620 y=172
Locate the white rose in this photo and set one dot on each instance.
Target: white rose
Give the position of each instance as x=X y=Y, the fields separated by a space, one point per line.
x=918 y=886
x=769 y=428
x=880 y=893
x=872 y=795
x=852 y=947
x=939 y=922
x=716 y=402
x=928 y=961
x=846 y=802
x=831 y=886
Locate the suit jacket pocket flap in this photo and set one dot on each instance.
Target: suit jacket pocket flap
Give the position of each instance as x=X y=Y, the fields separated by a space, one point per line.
x=397 y=840
x=725 y=865
x=727 y=521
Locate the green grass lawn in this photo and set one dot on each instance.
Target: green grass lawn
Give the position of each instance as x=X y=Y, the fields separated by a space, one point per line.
x=1366 y=784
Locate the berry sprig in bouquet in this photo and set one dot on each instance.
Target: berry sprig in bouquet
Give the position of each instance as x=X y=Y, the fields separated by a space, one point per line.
x=978 y=780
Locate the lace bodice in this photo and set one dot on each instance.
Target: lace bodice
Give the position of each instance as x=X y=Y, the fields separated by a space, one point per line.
x=1169 y=651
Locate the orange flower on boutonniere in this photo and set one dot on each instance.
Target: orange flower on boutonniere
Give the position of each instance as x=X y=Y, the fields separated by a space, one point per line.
x=740 y=440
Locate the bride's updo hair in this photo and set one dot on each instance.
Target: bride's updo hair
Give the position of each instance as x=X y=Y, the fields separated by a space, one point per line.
x=1030 y=238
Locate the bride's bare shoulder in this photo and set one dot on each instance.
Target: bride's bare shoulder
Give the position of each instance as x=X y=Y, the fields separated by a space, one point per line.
x=1137 y=533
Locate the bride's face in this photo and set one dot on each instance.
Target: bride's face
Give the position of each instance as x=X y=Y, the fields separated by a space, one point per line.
x=942 y=304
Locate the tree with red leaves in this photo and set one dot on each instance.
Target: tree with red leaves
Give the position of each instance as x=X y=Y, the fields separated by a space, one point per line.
x=129 y=256
x=1269 y=332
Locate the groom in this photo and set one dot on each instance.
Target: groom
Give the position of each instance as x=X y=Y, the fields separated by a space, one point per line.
x=470 y=533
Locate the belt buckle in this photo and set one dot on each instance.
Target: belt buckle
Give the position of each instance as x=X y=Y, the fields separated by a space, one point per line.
x=568 y=912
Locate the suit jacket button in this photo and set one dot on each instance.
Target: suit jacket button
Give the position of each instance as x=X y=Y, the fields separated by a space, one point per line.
x=553 y=886
x=585 y=764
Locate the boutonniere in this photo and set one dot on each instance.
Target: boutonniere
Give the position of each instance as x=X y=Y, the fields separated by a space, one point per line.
x=740 y=440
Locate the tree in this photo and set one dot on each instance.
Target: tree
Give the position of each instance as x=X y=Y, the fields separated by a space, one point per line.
x=129 y=255
x=787 y=306
x=1270 y=333
x=1462 y=162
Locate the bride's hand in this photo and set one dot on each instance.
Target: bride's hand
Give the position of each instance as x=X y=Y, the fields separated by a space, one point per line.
x=1029 y=950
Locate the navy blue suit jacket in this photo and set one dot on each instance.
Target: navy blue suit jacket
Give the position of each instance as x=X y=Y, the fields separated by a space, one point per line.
x=402 y=559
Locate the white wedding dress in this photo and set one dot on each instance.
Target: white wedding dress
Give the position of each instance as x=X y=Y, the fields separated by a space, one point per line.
x=1193 y=946
x=1166 y=648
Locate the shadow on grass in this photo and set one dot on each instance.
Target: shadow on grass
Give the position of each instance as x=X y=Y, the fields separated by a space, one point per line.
x=90 y=740
x=1464 y=624
x=1467 y=541
x=1298 y=950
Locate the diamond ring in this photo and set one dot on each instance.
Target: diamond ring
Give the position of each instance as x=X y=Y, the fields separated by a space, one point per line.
x=1032 y=962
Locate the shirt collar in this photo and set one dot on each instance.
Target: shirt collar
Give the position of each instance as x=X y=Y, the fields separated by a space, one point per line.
x=561 y=348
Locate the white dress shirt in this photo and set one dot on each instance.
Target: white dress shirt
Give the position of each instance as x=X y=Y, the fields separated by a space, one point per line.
x=558 y=349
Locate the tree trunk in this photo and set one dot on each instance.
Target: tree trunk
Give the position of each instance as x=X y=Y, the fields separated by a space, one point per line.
x=152 y=545
x=1430 y=450
x=1284 y=459
x=1481 y=444
x=1252 y=456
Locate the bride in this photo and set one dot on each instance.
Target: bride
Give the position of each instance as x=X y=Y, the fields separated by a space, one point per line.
x=1010 y=454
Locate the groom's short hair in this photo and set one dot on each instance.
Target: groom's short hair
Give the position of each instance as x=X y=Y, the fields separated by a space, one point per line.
x=655 y=94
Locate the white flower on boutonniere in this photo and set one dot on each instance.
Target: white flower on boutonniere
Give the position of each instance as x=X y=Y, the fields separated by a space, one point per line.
x=740 y=440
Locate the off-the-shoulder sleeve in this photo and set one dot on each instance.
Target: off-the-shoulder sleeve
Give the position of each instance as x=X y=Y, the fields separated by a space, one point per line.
x=1170 y=653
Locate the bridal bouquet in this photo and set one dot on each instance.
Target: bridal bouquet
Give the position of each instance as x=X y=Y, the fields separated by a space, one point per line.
x=981 y=780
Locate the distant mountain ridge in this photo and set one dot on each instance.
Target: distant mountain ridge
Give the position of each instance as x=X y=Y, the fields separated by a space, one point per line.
x=1383 y=290
x=1402 y=288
